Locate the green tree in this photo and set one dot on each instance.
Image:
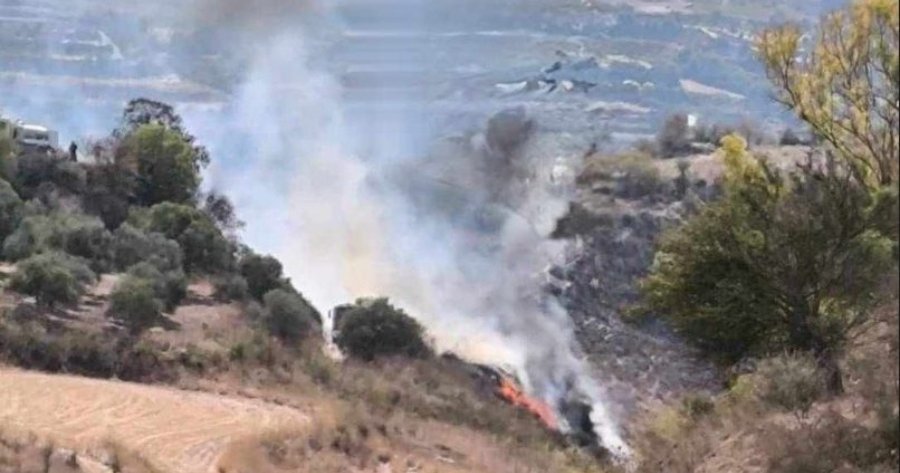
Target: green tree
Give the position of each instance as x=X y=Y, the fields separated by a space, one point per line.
x=263 y=274
x=134 y=302
x=781 y=261
x=288 y=315
x=131 y=246
x=169 y=287
x=164 y=164
x=52 y=278
x=205 y=248
x=375 y=328
x=846 y=85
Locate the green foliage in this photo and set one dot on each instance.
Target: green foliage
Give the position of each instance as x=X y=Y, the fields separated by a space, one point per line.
x=52 y=278
x=38 y=174
x=169 y=287
x=373 y=329
x=781 y=261
x=110 y=190
x=288 y=315
x=262 y=274
x=131 y=246
x=142 y=111
x=135 y=303
x=10 y=209
x=87 y=238
x=205 y=248
x=791 y=382
x=76 y=234
x=164 y=164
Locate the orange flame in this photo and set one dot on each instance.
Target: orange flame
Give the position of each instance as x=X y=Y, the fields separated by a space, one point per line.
x=513 y=394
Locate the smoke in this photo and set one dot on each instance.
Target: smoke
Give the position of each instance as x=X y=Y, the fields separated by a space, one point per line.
x=354 y=190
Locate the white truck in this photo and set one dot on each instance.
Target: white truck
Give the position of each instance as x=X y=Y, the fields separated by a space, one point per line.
x=29 y=136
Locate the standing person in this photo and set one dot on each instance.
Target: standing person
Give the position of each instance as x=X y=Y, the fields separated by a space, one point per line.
x=73 y=152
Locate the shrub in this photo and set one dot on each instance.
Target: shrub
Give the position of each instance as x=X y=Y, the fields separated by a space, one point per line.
x=288 y=315
x=87 y=238
x=373 y=329
x=262 y=274
x=780 y=262
x=205 y=247
x=169 y=287
x=134 y=302
x=10 y=209
x=52 y=278
x=231 y=287
x=206 y=250
x=28 y=238
x=76 y=234
x=37 y=172
x=131 y=246
x=791 y=382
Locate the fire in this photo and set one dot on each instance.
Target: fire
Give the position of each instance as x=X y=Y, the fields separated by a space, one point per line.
x=513 y=394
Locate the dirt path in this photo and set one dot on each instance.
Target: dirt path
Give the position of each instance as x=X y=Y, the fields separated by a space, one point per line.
x=178 y=431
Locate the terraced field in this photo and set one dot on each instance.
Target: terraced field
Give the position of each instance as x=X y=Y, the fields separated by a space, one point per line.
x=177 y=431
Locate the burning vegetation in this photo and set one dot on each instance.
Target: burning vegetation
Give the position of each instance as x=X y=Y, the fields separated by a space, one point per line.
x=569 y=416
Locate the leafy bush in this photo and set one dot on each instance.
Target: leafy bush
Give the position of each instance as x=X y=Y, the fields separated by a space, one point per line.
x=231 y=287
x=373 y=329
x=780 y=262
x=87 y=238
x=288 y=315
x=110 y=190
x=52 y=278
x=262 y=274
x=131 y=246
x=165 y=165
x=37 y=172
x=76 y=234
x=791 y=382
x=29 y=237
x=169 y=287
x=205 y=247
x=134 y=302
x=10 y=209
x=31 y=346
